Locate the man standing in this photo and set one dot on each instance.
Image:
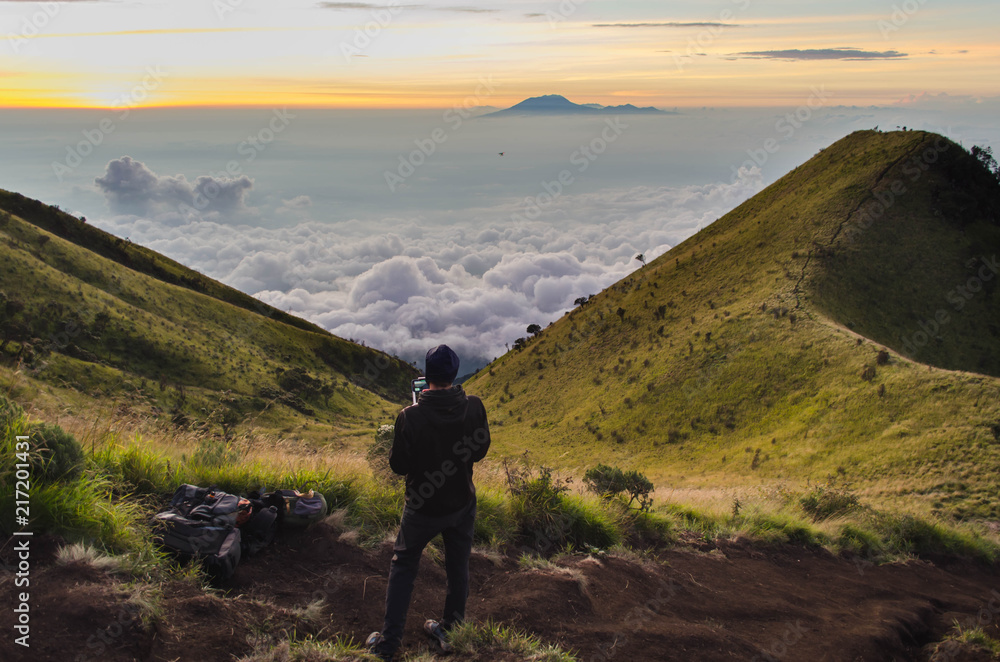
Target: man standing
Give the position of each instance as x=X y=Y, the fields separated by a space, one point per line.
x=436 y=443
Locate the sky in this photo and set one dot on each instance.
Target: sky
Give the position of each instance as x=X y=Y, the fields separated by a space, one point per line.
x=401 y=54
x=334 y=158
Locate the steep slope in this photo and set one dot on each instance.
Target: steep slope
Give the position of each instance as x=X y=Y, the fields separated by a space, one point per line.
x=914 y=266
x=104 y=318
x=728 y=361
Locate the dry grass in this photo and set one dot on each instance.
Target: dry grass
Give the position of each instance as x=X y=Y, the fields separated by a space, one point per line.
x=86 y=555
x=312 y=613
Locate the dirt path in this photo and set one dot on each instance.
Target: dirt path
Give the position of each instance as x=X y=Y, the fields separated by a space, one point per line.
x=734 y=602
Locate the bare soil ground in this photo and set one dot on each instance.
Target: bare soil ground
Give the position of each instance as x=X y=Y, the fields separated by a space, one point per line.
x=697 y=601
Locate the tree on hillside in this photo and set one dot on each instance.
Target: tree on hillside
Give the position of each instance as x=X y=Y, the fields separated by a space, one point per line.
x=534 y=329
x=642 y=258
x=985 y=156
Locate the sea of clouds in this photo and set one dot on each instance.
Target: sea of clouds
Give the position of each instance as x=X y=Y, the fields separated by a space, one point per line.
x=474 y=278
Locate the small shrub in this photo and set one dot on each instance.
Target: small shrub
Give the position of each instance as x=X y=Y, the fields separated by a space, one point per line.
x=541 y=489
x=56 y=454
x=549 y=519
x=612 y=481
x=826 y=501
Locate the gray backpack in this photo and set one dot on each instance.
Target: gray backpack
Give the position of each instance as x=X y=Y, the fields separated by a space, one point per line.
x=201 y=524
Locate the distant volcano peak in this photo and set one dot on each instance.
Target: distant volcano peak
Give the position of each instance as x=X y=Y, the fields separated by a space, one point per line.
x=556 y=104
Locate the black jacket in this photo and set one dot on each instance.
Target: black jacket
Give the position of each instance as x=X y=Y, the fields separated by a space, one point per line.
x=436 y=443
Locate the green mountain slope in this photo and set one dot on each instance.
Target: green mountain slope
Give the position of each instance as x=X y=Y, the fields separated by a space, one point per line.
x=103 y=318
x=740 y=357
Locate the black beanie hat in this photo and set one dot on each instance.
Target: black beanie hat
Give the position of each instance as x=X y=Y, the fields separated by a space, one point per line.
x=441 y=365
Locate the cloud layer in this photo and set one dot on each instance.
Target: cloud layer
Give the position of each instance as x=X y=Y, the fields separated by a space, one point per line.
x=404 y=284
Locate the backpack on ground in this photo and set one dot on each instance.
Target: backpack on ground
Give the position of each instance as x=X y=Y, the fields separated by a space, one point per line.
x=201 y=524
x=259 y=529
x=302 y=508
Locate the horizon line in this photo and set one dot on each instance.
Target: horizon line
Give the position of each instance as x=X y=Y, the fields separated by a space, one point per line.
x=301 y=106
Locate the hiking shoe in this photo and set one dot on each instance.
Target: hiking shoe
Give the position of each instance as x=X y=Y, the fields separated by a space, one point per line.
x=375 y=645
x=434 y=630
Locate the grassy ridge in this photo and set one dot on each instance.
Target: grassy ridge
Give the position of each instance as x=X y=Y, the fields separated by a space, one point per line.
x=135 y=257
x=716 y=366
x=170 y=339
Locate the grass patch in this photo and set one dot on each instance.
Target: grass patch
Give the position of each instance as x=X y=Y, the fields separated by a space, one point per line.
x=312 y=613
x=706 y=524
x=494 y=518
x=976 y=636
x=863 y=531
x=856 y=540
x=491 y=641
x=960 y=640
x=308 y=649
x=146 y=600
x=909 y=534
x=778 y=527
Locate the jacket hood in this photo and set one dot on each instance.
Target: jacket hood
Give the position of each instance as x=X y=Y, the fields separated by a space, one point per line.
x=445 y=405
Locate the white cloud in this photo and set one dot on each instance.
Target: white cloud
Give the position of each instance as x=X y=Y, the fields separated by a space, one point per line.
x=404 y=284
x=132 y=188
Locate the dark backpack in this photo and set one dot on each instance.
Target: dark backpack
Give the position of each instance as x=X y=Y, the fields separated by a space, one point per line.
x=201 y=524
x=259 y=530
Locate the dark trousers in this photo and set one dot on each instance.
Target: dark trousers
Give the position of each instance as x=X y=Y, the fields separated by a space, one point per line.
x=415 y=531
